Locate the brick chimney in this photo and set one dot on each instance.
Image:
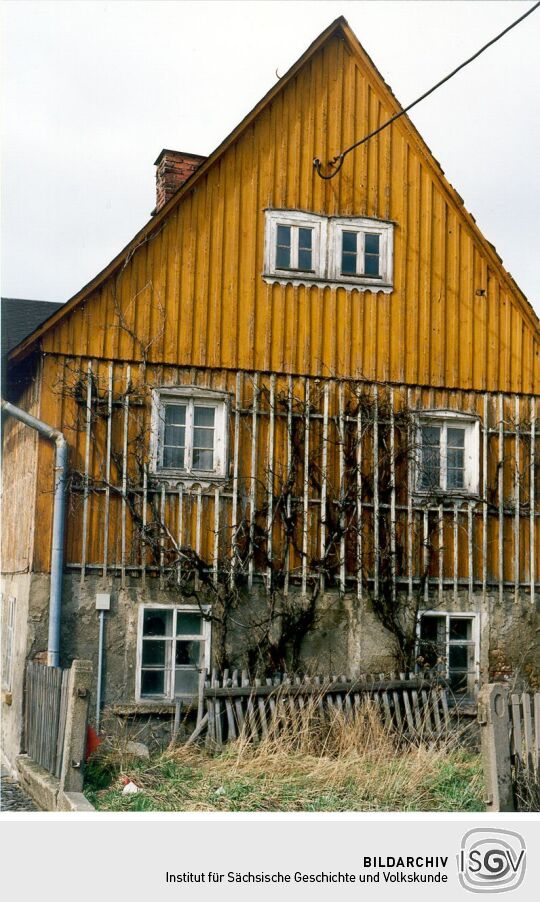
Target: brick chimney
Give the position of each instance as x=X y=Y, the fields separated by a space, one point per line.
x=173 y=169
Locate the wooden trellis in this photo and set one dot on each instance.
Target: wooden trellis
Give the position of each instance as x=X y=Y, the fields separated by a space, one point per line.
x=482 y=544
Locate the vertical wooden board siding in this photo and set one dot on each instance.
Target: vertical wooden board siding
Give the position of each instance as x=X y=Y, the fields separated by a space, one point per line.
x=194 y=289
x=21 y=444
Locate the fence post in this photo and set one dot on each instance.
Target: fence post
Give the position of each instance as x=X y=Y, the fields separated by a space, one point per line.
x=80 y=682
x=494 y=721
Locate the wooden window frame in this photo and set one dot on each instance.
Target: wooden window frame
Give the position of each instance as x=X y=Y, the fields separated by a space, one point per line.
x=474 y=642
x=445 y=419
x=362 y=227
x=326 y=250
x=204 y=638
x=190 y=396
x=295 y=219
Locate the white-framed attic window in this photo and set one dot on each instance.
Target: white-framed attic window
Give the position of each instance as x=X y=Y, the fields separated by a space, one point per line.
x=361 y=252
x=306 y=248
x=295 y=244
x=173 y=646
x=189 y=433
x=447 y=453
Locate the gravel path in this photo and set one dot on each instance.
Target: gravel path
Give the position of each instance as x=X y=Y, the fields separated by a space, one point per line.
x=12 y=797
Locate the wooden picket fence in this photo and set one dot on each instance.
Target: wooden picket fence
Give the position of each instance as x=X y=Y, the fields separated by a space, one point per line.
x=510 y=732
x=46 y=709
x=230 y=706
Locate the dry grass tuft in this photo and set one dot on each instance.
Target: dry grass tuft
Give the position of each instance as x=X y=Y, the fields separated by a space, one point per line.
x=304 y=764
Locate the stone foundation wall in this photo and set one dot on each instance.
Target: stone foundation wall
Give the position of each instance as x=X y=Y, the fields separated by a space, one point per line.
x=347 y=638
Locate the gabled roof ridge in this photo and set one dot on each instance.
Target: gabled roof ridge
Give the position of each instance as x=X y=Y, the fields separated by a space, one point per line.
x=153 y=225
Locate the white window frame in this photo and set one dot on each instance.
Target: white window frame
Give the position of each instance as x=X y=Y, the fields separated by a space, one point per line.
x=445 y=419
x=189 y=396
x=8 y=658
x=295 y=219
x=474 y=641
x=204 y=638
x=362 y=227
x=326 y=250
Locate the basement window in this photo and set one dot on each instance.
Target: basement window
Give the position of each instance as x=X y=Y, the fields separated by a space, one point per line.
x=448 y=449
x=448 y=646
x=173 y=646
x=189 y=433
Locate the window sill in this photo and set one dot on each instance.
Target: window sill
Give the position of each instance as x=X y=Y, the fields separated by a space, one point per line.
x=439 y=496
x=150 y=706
x=177 y=477
x=297 y=278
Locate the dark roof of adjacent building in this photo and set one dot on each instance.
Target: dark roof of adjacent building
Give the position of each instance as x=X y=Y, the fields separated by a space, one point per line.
x=19 y=318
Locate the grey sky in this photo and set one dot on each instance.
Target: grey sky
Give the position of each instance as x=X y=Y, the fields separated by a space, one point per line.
x=93 y=91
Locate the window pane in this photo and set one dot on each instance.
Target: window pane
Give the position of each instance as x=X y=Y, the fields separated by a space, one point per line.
x=284 y=235
x=460 y=628
x=459 y=657
x=153 y=682
x=458 y=682
x=188 y=624
x=456 y=458
x=432 y=651
x=174 y=435
x=204 y=416
x=154 y=651
x=173 y=458
x=349 y=242
x=429 y=627
x=186 y=682
x=371 y=265
x=455 y=437
x=304 y=239
x=371 y=244
x=175 y=414
x=348 y=264
x=283 y=248
x=203 y=460
x=157 y=623
x=203 y=438
x=431 y=457
x=188 y=652
x=304 y=259
x=455 y=479
x=283 y=258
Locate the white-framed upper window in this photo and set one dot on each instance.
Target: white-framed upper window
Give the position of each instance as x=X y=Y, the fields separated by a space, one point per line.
x=306 y=248
x=448 y=644
x=173 y=646
x=361 y=251
x=189 y=432
x=448 y=453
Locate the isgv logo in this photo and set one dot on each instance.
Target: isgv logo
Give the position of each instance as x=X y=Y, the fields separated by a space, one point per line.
x=491 y=861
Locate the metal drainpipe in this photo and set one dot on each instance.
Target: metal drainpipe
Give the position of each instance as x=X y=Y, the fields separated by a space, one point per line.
x=57 y=551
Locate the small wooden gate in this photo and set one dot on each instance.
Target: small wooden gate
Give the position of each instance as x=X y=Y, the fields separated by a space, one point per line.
x=231 y=706
x=46 y=709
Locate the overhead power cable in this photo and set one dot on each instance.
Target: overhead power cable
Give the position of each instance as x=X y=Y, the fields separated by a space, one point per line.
x=337 y=162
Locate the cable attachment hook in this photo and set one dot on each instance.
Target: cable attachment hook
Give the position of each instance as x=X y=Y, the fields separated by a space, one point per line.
x=335 y=163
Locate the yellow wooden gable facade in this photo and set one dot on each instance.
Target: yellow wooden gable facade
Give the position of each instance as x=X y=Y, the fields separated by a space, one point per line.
x=326 y=383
